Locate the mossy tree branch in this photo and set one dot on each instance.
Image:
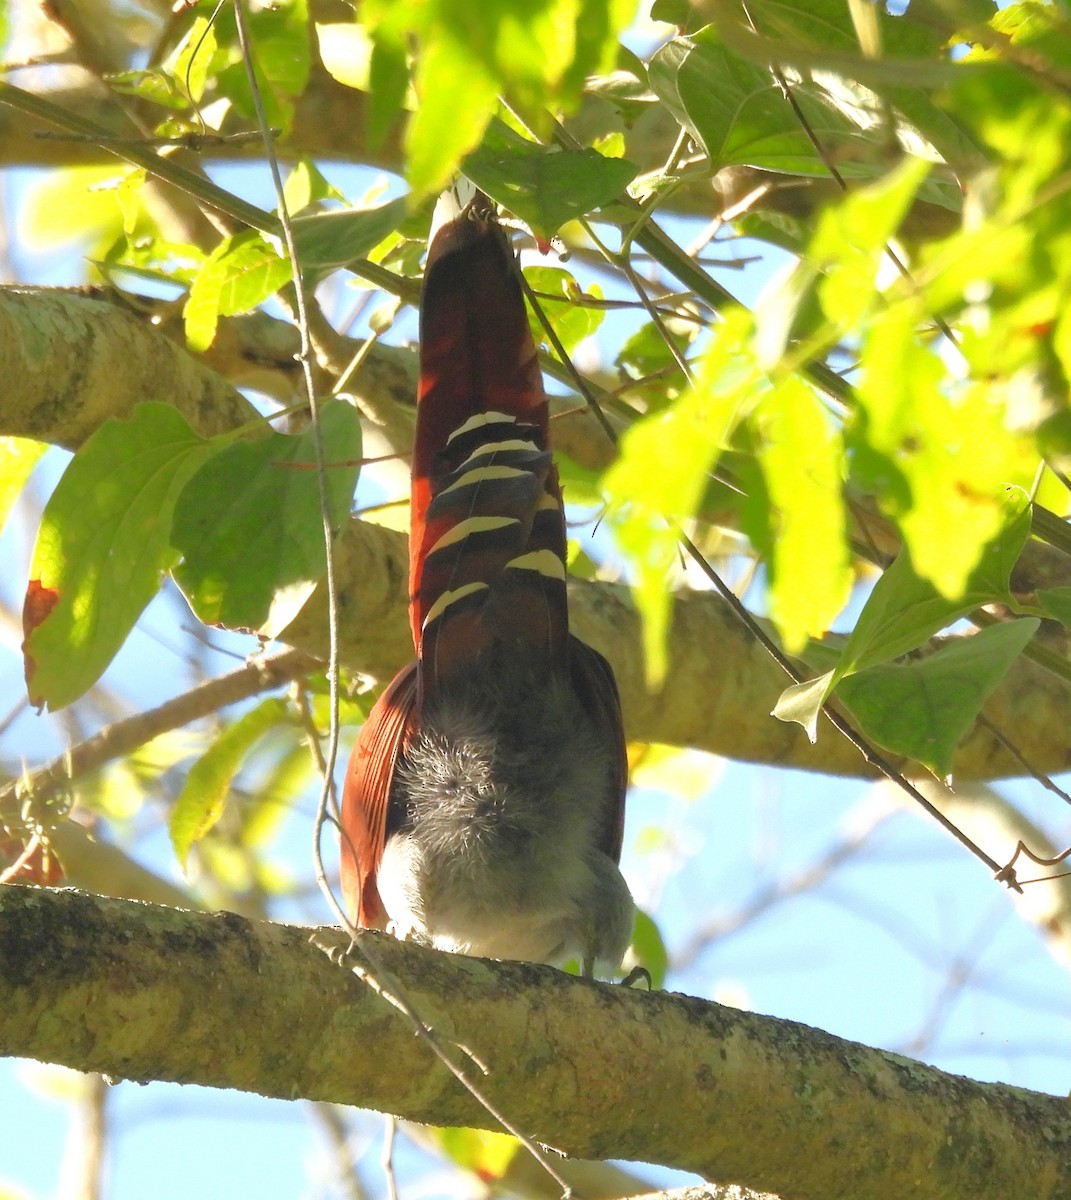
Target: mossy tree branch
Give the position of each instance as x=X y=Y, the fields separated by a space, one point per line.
x=148 y=993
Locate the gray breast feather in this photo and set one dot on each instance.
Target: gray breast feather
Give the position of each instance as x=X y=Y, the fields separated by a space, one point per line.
x=502 y=850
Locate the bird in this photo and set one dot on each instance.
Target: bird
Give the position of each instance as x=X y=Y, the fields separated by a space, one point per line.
x=483 y=804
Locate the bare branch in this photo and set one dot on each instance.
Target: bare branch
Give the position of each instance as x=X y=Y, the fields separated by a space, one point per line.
x=70 y=361
x=261 y=674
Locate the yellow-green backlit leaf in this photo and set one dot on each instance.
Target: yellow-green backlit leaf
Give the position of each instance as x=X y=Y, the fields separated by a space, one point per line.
x=940 y=453
x=346 y=52
x=75 y=204
x=484 y=1152
x=459 y=96
x=192 y=59
x=802 y=702
x=685 y=774
x=802 y=458
x=238 y=275
x=18 y=457
x=852 y=236
x=664 y=466
x=558 y=294
x=959 y=483
x=201 y=802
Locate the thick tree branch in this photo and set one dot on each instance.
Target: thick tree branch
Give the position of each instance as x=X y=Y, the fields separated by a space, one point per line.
x=593 y=1070
x=720 y=686
x=71 y=361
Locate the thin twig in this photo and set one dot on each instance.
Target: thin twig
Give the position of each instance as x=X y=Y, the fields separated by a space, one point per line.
x=567 y=363
x=124 y=737
x=841 y=724
x=386 y=1158
x=1046 y=781
x=332 y=1121
x=328 y=802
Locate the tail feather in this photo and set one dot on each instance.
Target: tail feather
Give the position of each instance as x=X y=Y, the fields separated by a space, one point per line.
x=496 y=667
x=487 y=539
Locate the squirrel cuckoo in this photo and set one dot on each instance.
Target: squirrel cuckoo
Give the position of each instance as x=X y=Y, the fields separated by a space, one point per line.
x=484 y=800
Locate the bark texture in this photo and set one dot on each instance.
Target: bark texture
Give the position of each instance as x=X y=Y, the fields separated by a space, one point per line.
x=148 y=993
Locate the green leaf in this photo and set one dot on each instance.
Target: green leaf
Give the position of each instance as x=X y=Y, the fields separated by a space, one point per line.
x=663 y=467
x=282 y=60
x=735 y=109
x=645 y=352
x=388 y=88
x=330 y=240
x=104 y=544
x=153 y=86
x=248 y=524
x=537 y=53
x=559 y=297
x=307 y=185
x=239 y=274
x=155 y=259
x=599 y=24
x=192 y=59
x=810 y=575
x=904 y=610
x=719 y=84
x=544 y=186
x=580 y=483
x=1056 y=603
x=924 y=709
x=802 y=703
x=200 y=804
x=673 y=12
x=460 y=94
x=281 y=44
x=649 y=949
x=893 y=91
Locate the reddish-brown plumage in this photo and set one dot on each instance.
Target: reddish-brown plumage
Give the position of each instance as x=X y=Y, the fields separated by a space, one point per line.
x=487 y=543
x=476 y=356
x=365 y=797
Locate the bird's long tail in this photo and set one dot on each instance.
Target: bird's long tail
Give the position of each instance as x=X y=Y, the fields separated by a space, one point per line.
x=487 y=538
